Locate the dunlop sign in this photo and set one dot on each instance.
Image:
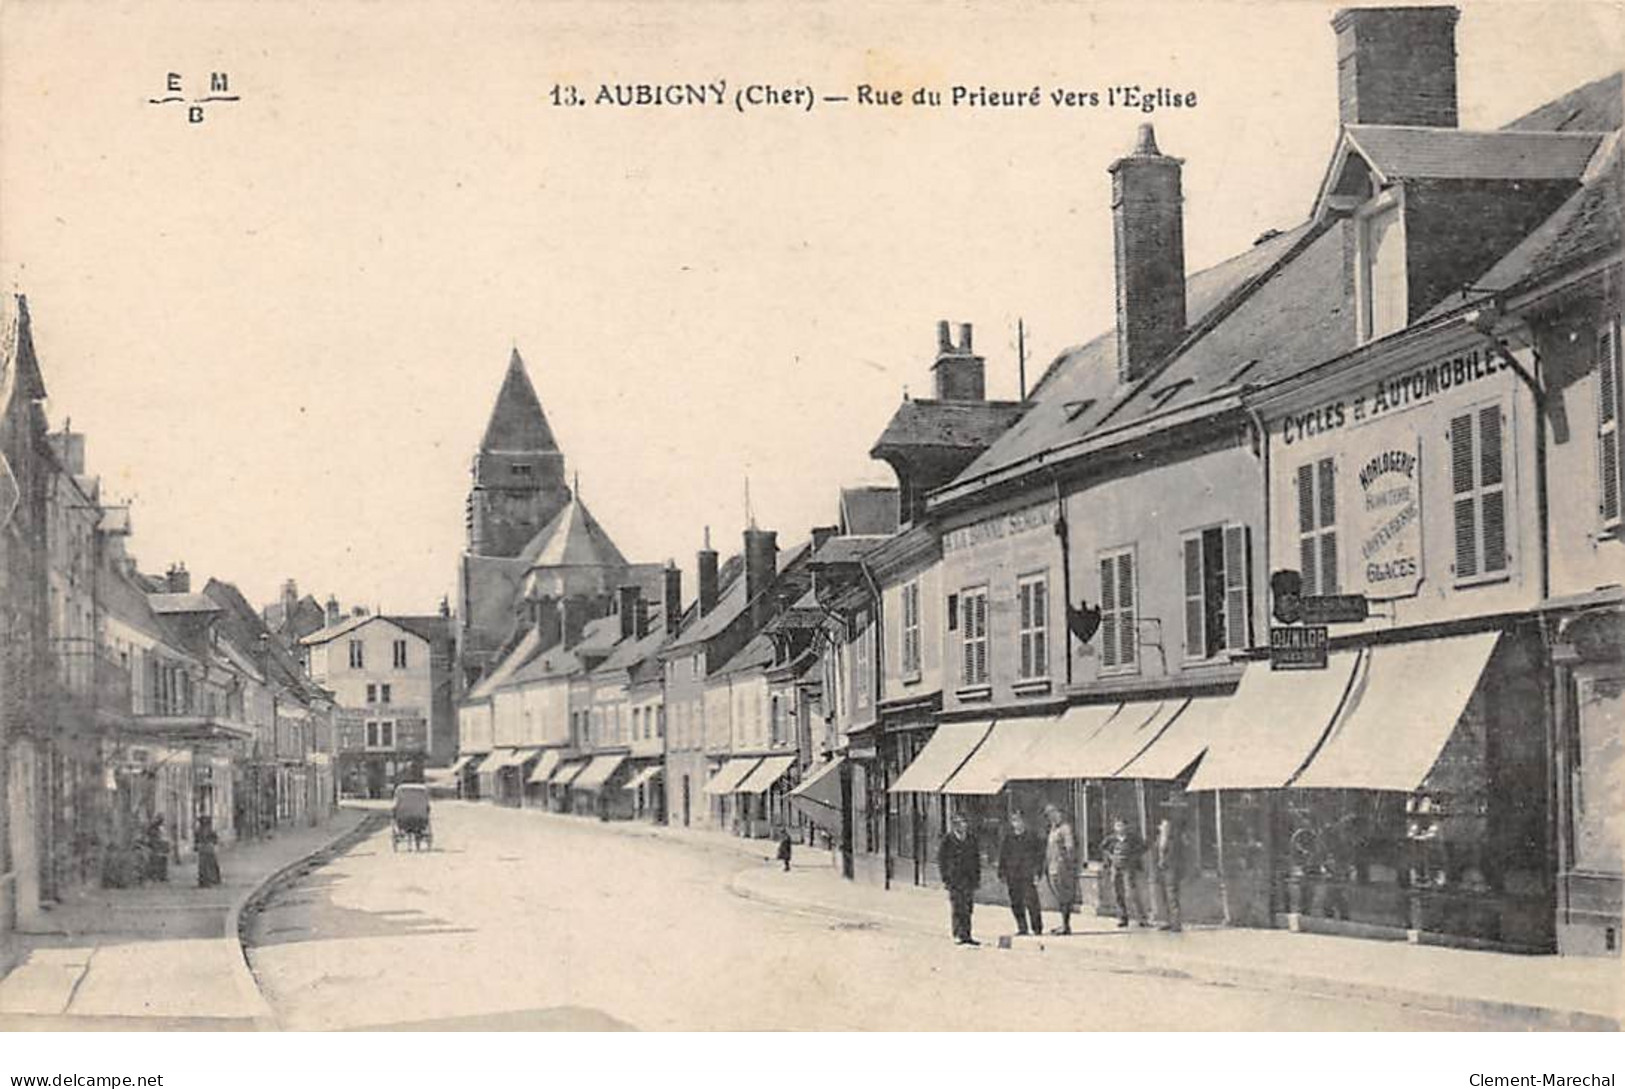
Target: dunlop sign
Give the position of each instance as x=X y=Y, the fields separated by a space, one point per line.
x=1298 y=648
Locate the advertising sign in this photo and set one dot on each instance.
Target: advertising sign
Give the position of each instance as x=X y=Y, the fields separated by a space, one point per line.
x=1387 y=522
x=1298 y=648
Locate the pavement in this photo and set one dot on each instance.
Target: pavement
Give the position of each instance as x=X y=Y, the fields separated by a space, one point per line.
x=1537 y=992
x=157 y=957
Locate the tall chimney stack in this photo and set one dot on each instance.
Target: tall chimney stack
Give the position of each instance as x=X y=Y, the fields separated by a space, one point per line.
x=672 y=602
x=959 y=373
x=178 y=579
x=1149 y=227
x=1396 y=66
x=706 y=562
x=630 y=601
x=334 y=613
x=761 y=561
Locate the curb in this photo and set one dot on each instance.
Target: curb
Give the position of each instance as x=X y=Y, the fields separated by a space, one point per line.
x=251 y=901
x=1207 y=971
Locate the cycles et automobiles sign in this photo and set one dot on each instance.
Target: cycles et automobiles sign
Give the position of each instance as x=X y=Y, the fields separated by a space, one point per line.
x=1387 y=520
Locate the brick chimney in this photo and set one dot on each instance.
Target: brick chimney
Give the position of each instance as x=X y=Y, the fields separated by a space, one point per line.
x=577 y=611
x=1149 y=227
x=959 y=373
x=1396 y=66
x=334 y=613
x=179 y=579
x=672 y=601
x=706 y=562
x=629 y=602
x=290 y=600
x=761 y=561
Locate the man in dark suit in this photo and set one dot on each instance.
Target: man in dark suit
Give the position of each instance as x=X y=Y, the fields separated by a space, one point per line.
x=959 y=860
x=1021 y=860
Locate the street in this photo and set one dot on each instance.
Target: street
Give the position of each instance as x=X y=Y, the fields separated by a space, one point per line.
x=518 y=920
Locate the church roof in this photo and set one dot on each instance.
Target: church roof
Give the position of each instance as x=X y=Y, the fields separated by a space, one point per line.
x=517 y=422
x=573 y=539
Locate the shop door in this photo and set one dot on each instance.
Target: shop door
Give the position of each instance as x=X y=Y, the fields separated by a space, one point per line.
x=1246 y=887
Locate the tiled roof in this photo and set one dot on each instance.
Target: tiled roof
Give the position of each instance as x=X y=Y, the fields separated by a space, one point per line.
x=520 y=655
x=517 y=422
x=629 y=652
x=1080 y=388
x=731 y=603
x=956 y=425
x=173 y=604
x=753 y=655
x=573 y=539
x=869 y=510
x=1402 y=151
x=846 y=549
x=431 y=628
x=1593 y=107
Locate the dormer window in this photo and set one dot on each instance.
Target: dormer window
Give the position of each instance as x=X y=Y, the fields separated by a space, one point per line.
x=1381 y=292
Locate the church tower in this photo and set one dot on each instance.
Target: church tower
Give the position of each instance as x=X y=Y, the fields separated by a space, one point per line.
x=518 y=473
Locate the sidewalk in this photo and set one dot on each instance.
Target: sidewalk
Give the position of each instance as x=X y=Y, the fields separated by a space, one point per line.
x=1527 y=992
x=156 y=957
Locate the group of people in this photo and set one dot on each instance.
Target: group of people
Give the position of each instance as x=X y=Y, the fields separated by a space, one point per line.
x=1025 y=855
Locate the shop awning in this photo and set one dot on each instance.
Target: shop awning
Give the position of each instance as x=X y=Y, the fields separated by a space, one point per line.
x=728 y=778
x=768 y=772
x=645 y=776
x=501 y=758
x=1058 y=753
x=545 y=767
x=950 y=746
x=461 y=763
x=1181 y=744
x=1407 y=699
x=819 y=795
x=598 y=771
x=1272 y=724
x=1000 y=757
x=566 y=773
x=1130 y=732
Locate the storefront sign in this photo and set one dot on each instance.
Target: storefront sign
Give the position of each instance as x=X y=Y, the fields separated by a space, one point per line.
x=1334 y=608
x=1298 y=648
x=1391 y=395
x=1007 y=525
x=1387 y=522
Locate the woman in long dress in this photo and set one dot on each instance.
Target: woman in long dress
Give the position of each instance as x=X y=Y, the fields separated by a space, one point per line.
x=208 y=861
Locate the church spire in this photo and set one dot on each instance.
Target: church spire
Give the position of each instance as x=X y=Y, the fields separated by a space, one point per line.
x=517 y=422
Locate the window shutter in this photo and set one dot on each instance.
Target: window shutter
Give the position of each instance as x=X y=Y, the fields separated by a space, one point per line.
x=1041 y=624
x=1235 y=586
x=1195 y=636
x=1608 y=440
x=1308 y=558
x=981 y=638
x=1328 y=526
x=1127 y=642
x=1461 y=485
x=1492 y=494
x=1108 y=612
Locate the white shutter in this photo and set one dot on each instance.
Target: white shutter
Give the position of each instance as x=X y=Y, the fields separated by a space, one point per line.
x=1464 y=496
x=1235 y=587
x=1611 y=499
x=1108 y=612
x=1195 y=613
x=1128 y=641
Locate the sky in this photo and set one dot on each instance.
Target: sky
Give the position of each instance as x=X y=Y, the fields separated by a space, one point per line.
x=282 y=329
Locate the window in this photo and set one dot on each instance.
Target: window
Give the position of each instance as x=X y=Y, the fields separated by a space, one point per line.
x=380 y=735
x=372 y=693
x=861 y=678
x=521 y=470
x=357 y=658
x=1317 y=526
x=911 y=629
x=400 y=654
x=1032 y=597
x=952 y=611
x=383 y=693
x=1217 y=593
x=1119 y=637
x=1478 y=489
x=973 y=636
x=1611 y=499
x=1383 y=297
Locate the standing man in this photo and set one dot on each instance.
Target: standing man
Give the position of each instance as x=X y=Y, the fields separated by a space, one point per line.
x=1020 y=857
x=1170 y=862
x=1061 y=865
x=1124 y=850
x=959 y=860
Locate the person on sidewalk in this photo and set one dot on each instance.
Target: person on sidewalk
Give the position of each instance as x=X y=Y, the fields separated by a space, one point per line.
x=1021 y=856
x=1170 y=862
x=785 y=848
x=959 y=860
x=1124 y=851
x=156 y=845
x=1061 y=865
x=208 y=860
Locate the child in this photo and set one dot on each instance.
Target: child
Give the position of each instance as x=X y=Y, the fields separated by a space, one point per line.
x=784 y=848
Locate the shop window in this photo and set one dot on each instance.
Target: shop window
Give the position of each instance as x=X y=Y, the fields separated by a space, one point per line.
x=911 y=630
x=1119 y=637
x=1317 y=526
x=358 y=658
x=973 y=636
x=380 y=735
x=1217 y=591
x=1032 y=597
x=1383 y=297
x=1611 y=497
x=1478 y=489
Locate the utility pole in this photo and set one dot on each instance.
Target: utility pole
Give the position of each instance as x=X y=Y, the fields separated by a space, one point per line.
x=1021 y=356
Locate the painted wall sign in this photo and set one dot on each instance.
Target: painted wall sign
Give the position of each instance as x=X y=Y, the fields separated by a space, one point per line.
x=1387 y=522
x=1391 y=395
x=993 y=529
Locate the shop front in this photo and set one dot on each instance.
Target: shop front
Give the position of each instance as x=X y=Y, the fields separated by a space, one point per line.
x=761 y=797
